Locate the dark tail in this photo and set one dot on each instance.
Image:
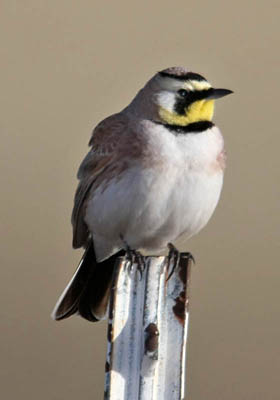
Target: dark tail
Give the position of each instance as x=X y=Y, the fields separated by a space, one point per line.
x=88 y=291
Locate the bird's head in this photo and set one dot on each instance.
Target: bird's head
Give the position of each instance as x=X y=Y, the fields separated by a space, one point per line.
x=184 y=97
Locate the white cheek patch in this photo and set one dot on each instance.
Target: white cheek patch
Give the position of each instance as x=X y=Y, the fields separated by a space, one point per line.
x=166 y=100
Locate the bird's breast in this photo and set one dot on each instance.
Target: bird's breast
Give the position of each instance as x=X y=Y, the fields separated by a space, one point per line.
x=191 y=152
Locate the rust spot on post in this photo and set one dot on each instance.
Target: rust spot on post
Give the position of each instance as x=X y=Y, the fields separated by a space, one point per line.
x=151 y=342
x=182 y=301
x=179 y=308
x=110 y=333
x=107 y=367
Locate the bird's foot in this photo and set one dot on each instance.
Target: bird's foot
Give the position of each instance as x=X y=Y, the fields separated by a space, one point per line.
x=134 y=257
x=189 y=256
x=174 y=258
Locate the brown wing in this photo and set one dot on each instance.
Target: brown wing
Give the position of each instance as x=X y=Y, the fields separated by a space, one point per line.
x=104 y=143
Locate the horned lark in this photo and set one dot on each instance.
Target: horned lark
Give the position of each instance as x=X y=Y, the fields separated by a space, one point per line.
x=153 y=176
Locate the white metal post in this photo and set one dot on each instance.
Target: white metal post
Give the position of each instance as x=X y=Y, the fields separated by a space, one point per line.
x=147 y=331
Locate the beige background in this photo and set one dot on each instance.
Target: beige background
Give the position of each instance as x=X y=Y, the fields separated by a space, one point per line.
x=64 y=66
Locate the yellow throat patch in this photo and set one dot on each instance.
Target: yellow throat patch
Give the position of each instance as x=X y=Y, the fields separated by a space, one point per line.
x=201 y=110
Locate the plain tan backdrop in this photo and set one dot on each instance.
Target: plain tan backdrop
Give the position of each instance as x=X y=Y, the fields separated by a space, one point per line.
x=65 y=65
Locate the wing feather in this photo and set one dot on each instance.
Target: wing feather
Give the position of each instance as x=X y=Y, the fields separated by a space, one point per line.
x=104 y=144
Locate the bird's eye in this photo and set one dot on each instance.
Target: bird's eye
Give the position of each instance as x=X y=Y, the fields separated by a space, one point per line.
x=183 y=92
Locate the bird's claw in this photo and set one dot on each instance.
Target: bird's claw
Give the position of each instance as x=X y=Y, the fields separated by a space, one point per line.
x=174 y=258
x=134 y=257
x=190 y=257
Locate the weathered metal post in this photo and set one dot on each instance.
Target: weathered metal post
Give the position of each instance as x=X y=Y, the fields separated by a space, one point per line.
x=147 y=332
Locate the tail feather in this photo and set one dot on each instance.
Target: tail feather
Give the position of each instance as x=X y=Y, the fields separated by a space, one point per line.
x=88 y=291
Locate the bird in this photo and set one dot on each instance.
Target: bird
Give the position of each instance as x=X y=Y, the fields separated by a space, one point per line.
x=152 y=178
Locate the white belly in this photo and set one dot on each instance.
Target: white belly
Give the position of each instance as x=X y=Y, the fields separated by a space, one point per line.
x=178 y=207
x=153 y=206
x=150 y=210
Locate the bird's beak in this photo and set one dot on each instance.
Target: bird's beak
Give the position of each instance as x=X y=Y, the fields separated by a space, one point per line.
x=217 y=93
